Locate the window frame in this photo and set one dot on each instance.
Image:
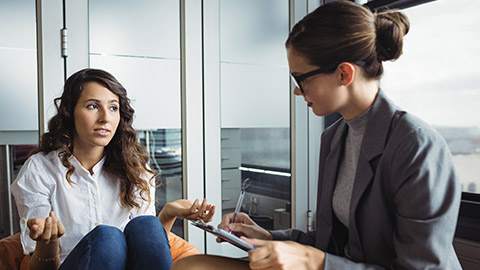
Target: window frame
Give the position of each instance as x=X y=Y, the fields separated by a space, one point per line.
x=377 y=5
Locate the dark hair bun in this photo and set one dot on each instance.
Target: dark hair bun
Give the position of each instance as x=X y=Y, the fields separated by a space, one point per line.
x=391 y=27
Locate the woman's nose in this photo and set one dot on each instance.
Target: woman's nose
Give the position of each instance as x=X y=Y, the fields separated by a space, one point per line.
x=297 y=91
x=103 y=115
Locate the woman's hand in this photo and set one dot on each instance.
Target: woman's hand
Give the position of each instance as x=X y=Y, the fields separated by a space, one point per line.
x=46 y=230
x=243 y=226
x=187 y=210
x=284 y=255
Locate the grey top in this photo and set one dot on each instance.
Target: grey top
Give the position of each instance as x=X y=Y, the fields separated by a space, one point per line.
x=346 y=175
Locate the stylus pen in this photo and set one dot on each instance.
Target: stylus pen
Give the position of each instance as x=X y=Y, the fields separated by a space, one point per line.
x=239 y=205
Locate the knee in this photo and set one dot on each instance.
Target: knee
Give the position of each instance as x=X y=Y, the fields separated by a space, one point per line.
x=143 y=221
x=104 y=231
x=146 y=224
x=108 y=243
x=108 y=235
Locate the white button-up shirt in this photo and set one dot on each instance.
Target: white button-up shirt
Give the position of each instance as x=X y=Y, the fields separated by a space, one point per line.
x=41 y=186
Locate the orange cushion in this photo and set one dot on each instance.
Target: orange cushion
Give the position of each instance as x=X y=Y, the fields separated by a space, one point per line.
x=180 y=248
x=25 y=265
x=11 y=252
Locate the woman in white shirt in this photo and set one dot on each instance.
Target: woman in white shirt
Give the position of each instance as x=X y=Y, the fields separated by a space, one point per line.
x=85 y=196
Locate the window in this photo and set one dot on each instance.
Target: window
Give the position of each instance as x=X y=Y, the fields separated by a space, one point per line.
x=147 y=63
x=255 y=127
x=437 y=78
x=18 y=98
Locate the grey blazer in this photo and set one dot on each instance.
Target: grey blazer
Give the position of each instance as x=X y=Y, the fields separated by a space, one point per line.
x=405 y=199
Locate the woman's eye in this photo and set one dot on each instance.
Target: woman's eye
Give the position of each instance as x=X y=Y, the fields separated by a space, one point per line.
x=92 y=106
x=114 y=108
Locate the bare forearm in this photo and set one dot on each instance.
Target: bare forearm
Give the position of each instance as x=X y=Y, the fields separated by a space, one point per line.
x=166 y=220
x=45 y=256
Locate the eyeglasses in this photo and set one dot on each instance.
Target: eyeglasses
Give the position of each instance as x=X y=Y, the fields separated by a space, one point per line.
x=297 y=79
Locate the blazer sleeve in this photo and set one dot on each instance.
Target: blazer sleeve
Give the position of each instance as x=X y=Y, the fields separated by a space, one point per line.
x=426 y=197
x=426 y=201
x=305 y=238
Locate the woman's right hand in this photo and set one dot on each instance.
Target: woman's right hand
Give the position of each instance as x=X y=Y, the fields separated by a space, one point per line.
x=46 y=230
x=243 y=226
x=187 y=210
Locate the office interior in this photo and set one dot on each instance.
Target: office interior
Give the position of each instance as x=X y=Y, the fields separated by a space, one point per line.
x=214 y=105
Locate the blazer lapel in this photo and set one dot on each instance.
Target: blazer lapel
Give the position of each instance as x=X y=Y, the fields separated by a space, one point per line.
x=373 y=143
x=325 y=219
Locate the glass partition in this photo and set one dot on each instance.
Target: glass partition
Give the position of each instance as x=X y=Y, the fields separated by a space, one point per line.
x=18 y=100
x=255 y=110
x=18 y=66
x=437 y=78
x=139 y=43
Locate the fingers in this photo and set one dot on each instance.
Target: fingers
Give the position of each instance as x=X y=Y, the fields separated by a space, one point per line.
x=243 y=229
x=193 y=208
x=196 y=209
x=47 y=232
x=226 y=220
x=203 y=207
x=264 y=255
x=202 y=211
x=284 y=255
x=258 y=257
x=47 y=229
x=240 y=218
x=255 y=242
x=54 y=227
x=210 y=214
x=36 y=226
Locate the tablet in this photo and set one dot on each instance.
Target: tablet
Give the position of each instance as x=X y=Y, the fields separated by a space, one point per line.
x=224 y=235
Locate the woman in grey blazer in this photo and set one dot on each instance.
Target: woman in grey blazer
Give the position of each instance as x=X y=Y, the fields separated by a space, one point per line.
x=388 y=195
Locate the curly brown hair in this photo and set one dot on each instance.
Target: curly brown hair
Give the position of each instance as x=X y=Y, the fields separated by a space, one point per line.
x=125 y=157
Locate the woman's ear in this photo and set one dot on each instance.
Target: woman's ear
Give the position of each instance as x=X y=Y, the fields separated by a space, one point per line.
x=346 y=73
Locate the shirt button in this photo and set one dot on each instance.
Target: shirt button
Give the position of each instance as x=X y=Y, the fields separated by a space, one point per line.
x=23 y=221
x=96 y=223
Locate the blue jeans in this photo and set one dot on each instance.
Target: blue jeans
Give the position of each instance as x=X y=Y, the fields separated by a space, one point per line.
x=142 y=245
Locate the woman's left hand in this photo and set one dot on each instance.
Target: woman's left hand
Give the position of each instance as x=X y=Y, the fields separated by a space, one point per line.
x=284 y=255
x=187 y=210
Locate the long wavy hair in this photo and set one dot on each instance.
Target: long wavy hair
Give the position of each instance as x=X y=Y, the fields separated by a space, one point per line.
x=125 y=157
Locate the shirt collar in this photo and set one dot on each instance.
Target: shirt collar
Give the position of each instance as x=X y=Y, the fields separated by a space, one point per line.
x=97 y=168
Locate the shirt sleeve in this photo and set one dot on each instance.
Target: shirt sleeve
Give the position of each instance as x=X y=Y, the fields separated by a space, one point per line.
x=32 y=197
